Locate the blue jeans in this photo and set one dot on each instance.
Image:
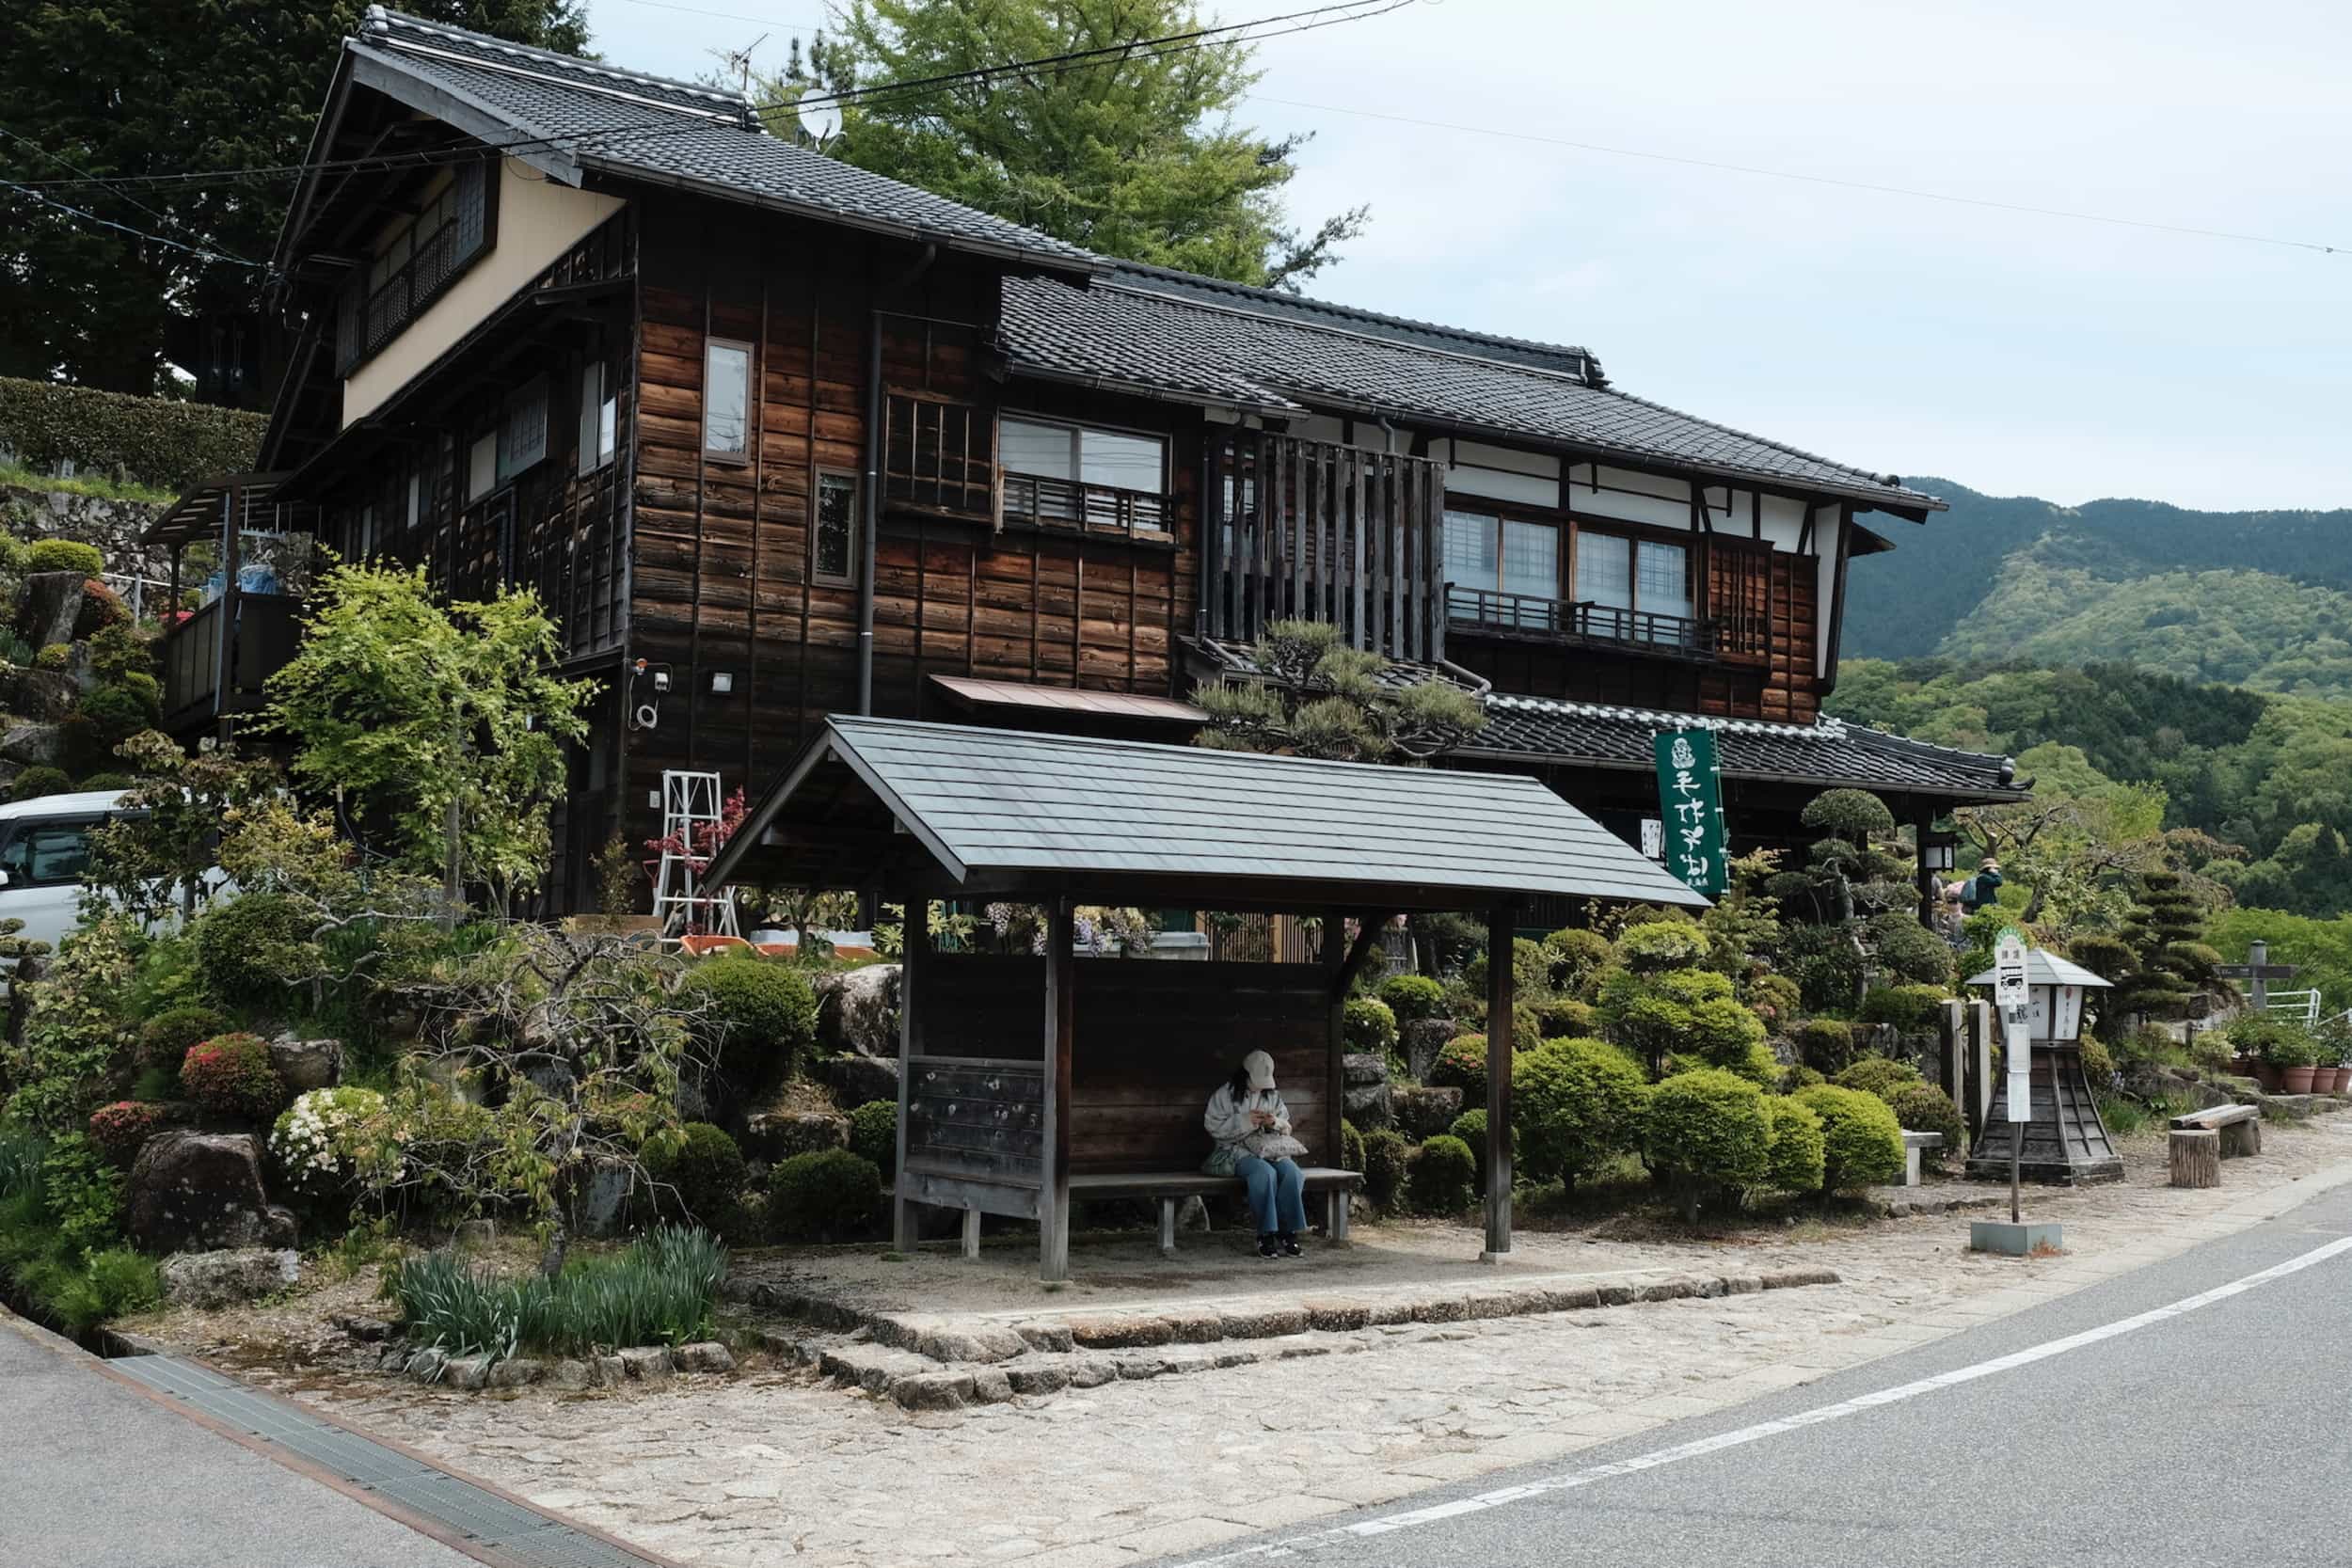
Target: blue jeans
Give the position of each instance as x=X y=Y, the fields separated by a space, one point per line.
x=1277 y=1192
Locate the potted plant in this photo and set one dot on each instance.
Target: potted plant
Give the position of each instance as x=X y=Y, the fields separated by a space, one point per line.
x=2294 y=1055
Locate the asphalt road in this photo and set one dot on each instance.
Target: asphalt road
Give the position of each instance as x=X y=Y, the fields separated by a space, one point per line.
x=95 y=1474
x=2221 y=1435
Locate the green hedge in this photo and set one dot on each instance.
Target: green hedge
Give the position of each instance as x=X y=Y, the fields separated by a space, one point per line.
x=169 y=445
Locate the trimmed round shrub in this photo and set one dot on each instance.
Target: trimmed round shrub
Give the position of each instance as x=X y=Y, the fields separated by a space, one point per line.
x=1412 y=997
x=1822 y=961
x=1794 y=1164
x=1907 y=1007
x=1826 y=1044
x=33 y=782
x=320 y=1141
x=1461 y=1064
x=63 y=555
x=1925 y=1108
x=1775 y=999
x=1656 y=946
x=1574 y=1105
x=230 y=1075
x=1576 y=955
x=1861 y=1143
x=107 y=781
x=703 y=1171
x=1384 y=1156
x=1442 y=1176
x=121 y=1128
x=1368 y=1025
x=246 y=947
x=164 y=1039
x=2098 y=1065
x=1878 y=1075
x=1531 y=969
x=1725 y=1033
x=1559 y=1018
x=54 y=655
x=1470 y=1127
x=759 y=1013
x=1708 y=1133
x=826 y=1194
x=1799 y=1077
x=874 y=1133
x=1910 y=951
x=1351 y=1146
x=101 y=607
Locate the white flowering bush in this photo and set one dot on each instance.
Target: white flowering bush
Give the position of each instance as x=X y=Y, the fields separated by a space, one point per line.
x=327 y=1138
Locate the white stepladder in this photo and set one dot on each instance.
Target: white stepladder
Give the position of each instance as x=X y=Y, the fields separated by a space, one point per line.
x=691 y=815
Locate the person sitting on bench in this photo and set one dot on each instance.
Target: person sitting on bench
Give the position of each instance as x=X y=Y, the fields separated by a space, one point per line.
x=1252 y=1129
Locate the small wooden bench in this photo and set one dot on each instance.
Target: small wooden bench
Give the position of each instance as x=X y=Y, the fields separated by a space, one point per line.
x=1916 y=1144
x=1171 y=1188
x=2240 y=1126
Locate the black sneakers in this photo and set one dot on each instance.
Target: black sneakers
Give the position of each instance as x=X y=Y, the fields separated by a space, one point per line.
x=1269 y=1246
x=1290 y=1246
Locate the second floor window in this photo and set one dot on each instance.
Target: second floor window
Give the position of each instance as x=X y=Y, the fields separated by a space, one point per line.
x=410 y=266
x=1639 y=589
x=1496 y=565
x=728 y=400
x=833 y=557
x=1116 y=458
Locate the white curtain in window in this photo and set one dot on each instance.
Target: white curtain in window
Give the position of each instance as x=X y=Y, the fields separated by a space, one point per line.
x=1119 y=460
x=1471 y=560
x=1604 y=570
x=1044 y=450
x=1530 y=560
x=1665 y=580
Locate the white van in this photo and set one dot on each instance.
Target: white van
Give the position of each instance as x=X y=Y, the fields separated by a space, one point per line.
x=44 y=846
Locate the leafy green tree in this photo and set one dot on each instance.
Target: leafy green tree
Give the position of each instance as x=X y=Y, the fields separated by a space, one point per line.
x=1140 y=158
x=445 y=723
x=112 y=91
x=1317 y=697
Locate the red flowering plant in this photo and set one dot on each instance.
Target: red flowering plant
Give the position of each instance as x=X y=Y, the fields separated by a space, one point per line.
x=701 y=843
x=231 y=1075
x=121 y=1128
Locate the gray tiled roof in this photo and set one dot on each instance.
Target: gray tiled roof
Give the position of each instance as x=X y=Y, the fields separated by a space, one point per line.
x=652 y=128
x=986 y=801
x=1826 y=754
x=1260 y=350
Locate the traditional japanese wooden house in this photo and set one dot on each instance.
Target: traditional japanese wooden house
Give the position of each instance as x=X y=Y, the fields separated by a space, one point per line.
x=776 y=438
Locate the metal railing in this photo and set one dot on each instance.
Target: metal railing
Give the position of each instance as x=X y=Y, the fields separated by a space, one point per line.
x=2301 y=1005
x=1489 y=610
x=1074 y=504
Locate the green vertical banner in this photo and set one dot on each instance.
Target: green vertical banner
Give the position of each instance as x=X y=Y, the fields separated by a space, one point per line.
x=1690 y=803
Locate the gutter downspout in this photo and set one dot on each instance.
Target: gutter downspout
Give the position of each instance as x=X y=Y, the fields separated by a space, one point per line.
x=870 y=497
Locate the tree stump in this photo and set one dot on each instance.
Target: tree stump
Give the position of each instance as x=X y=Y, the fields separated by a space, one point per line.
x=2196 y=1158
x=2242 y=1138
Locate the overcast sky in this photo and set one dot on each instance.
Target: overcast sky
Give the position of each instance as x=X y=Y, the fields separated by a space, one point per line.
x=2015 y=354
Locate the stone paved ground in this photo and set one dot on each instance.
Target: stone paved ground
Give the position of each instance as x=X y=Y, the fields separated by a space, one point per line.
x=773 y=1465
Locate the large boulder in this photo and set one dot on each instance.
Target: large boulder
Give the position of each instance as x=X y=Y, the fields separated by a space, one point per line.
x=43 y=694
x=303 y=1065
x=777 y=1135
x=600 y=1204
x=200 y=1192
x=1422 y=1113
x=52 y=603
x=228 y=1277
x=857 y=1011
x=34 y=745
x=1423 y=1038
x=856 y=1080
x=1369 y=1107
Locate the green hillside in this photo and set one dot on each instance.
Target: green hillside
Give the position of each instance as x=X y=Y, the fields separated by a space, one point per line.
x=2258 y=598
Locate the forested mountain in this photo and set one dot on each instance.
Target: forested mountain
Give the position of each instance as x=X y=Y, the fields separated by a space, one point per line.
x=2262 y=599
x=2270 y=774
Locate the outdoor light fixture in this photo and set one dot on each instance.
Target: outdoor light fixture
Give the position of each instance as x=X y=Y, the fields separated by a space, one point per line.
x=1939 y=851
x=721 y=681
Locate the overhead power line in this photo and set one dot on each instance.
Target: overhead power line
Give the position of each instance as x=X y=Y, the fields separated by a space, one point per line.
x=1830 y=179
x=1327 y=15
x=201 y=252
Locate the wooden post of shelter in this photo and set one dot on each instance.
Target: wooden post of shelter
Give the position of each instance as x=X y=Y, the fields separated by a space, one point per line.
x=1061 y=1012
x=1335 y=958
x=1923 y=824
x=1499 y=927
x=916 y=949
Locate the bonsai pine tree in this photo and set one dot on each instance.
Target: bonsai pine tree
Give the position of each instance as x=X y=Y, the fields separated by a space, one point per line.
x=1314 y=696
x=1855 y=884
x=2166 y=932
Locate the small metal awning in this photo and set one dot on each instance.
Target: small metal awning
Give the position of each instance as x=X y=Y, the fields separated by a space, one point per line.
x=2047 y=968
x=197 y=514
x=958 y=811
x=973 y=692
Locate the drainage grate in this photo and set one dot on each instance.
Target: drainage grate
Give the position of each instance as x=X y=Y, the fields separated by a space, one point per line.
x=518 y=1532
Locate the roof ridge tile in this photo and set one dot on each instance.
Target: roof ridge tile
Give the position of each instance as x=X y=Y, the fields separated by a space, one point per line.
x=388 y=24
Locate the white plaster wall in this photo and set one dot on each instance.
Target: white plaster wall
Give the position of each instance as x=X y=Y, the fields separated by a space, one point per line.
x=537 y=221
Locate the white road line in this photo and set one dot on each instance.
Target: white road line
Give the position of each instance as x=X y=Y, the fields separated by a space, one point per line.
x=1570 y=1479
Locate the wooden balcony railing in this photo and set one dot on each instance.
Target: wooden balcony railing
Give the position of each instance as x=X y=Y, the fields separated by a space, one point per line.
x=1083 y=508
x=266 y=632
x=1317 y=531
x=1527 y=614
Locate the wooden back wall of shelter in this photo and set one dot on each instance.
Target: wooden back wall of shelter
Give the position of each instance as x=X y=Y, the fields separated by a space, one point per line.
x=1153 y=1040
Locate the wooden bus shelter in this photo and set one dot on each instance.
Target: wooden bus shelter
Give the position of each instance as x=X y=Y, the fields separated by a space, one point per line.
x=1024 y=1081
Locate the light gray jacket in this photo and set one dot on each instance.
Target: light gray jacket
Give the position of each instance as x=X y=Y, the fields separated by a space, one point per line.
x=1227 y=1118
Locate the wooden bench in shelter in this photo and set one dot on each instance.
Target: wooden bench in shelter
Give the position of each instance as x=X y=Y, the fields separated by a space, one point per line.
x=1028 y=1082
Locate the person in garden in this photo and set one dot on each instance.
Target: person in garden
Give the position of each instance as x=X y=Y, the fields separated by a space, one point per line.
x=1983 y=890
x=1252 y=1132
